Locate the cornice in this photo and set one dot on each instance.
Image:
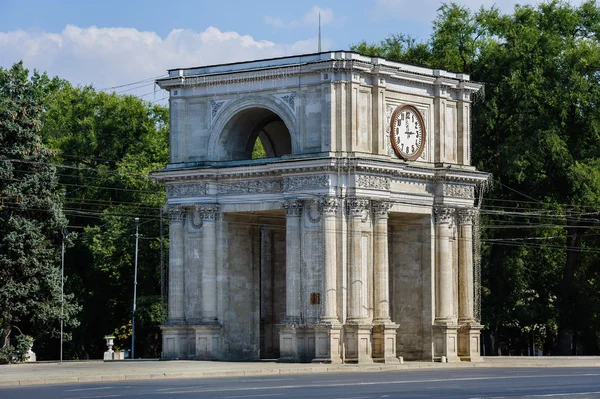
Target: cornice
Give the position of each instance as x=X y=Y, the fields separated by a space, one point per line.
x=347 y=166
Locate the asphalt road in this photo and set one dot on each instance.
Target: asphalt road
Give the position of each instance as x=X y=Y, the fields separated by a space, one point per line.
x=496 y=383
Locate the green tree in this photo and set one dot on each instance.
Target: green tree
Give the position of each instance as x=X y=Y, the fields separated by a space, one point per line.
x=30 y=214
x=107 y=145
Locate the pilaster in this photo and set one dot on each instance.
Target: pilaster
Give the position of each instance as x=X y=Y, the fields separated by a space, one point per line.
x=384 y=331
x=445 y=327
x=357 y=332
x=176 y=216
x=469 y=332
x=288 y=340
x=209 y=214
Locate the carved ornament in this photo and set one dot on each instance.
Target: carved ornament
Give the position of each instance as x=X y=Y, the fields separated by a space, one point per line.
x=443 y=214
x=250 y=187
x=293 y=207
x=208 y=211
x=373 y=182
x=186 y=190
x=466 y=215
x=381 y=209
x=459 y=190
x=296 y=183
x=176 y=214
x=329 y=205
x=356 y=206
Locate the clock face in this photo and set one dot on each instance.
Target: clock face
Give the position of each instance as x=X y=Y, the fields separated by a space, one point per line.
x=407 y=132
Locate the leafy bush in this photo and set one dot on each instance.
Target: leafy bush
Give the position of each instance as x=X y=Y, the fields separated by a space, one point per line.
x=16 y=353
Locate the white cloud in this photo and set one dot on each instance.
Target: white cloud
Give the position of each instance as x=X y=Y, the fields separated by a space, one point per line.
x=311 y=18
x=107 y=57
x=425 y=11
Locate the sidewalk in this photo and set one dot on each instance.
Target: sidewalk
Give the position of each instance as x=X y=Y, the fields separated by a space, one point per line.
x=95 y=371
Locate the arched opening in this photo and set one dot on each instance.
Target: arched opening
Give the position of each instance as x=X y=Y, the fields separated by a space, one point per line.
x=239 y=136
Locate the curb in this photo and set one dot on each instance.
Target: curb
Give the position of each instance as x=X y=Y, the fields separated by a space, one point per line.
x=288 y=371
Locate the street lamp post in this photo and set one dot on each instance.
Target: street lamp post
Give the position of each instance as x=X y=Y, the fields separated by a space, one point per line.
x=137 y=222
x=64 y=232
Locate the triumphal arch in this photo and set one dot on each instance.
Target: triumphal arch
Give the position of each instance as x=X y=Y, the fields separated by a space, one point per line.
x=351 y=241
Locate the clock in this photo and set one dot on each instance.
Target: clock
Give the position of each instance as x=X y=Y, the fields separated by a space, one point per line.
x=407 y=132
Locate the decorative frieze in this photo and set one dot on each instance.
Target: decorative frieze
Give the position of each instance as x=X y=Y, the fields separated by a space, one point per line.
x=186 y=190
x=443 y=214
x=329 y=205
x=293 y=207
x=297 y=183
x=459 y=190
x=380 y=209
x=249 y=187
x=373 y=182
x=356 y=206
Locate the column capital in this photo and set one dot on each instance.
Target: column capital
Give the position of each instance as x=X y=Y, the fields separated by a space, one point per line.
x=329 y=205
x=381 y=209
x=175 y=213
x=208 y=212
x=355 y=206
x=466 y=215
x=443 y=214
x=293 y=207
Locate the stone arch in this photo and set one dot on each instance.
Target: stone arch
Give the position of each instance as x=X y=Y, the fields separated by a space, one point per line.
x=243 y=120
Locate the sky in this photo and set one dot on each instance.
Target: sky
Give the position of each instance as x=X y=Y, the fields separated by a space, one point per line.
x=111 y=43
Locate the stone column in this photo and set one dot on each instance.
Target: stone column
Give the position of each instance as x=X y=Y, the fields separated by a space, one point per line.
x=208 y=333
x=176 y=264
x=357 y=331
x=384 y=331
x=209 y=213
x=288 y=340
x=328 y=331
x=469 y=330
x=445 y=330
x=175 y=333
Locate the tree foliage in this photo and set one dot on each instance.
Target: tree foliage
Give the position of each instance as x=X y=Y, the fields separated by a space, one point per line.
x=537 y=131
x=30 y=213
x=107 y=145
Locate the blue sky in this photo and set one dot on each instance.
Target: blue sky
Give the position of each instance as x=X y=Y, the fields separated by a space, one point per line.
x=108 y=43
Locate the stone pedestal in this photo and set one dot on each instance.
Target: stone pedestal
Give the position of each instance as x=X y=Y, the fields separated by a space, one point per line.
x=357 y=339
x=305 y=338
x=288 y=343
x=328 y=344
x=384 y=343
x=175 y=342
x=207 y=339
x=445 y=336
x=469 y=344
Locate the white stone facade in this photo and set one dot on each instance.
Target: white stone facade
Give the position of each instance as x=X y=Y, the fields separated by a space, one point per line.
x=333 y=248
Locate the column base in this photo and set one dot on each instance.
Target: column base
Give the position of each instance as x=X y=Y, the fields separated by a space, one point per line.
x=328 y=343
x=445 y=336
x=384 y=343
x=288 y=344
x=175 y=342
x=357 y=339
x=469 y=336
x=207 y=339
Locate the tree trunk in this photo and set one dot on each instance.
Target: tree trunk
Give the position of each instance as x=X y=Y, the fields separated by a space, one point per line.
x=5 y=335
x=565 y=339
